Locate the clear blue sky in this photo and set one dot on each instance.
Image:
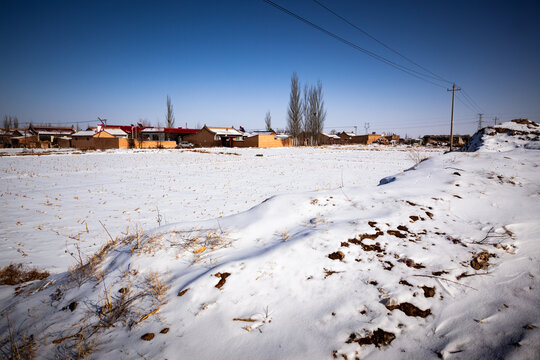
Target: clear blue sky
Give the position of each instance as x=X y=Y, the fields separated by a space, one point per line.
x=228 y=62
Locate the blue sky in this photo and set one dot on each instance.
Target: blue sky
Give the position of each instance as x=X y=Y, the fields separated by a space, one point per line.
x=229 y=62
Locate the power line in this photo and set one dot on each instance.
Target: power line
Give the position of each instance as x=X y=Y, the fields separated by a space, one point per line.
x=472 y=100
x=58 y=123
x=467 y=105
x=409 y=71
x=438 y=77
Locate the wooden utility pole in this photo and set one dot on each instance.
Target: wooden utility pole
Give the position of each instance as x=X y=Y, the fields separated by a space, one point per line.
x=452 y=116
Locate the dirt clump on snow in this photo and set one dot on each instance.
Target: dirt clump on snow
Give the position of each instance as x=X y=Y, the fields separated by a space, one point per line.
x=378 y=338
x=405 y=282
x=14 y=274
x=147 y=336
x=182 y=292
x=481 y=261
x=413 y=264
x=428 y=291
x=376 y=247
x=409 y=309
x=338 y=255
x=403 y=228
x=397 y=234
x=222 y=278
x=372 y=224
x=164 y=331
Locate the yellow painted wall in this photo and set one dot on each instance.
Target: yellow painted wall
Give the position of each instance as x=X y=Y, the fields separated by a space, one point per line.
x=263 y=141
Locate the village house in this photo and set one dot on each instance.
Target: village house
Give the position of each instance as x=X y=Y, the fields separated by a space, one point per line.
x=346 y=137
x=167 y=134
x=50 y=134
x=215 y=136
x=329 y=139
x=264 y=139
x=104 y=139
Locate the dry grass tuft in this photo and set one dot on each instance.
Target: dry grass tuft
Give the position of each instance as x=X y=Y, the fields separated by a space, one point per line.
x=156 y=288
x=87 y=267
x=14 y=274
x=17 y=346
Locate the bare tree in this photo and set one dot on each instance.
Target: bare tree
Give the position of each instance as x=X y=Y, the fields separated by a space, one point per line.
x=6 y=123
x=268 y=121
x=314 y=113
x=306 y=109
x=318 y=111
x=170 y=114
x=15 y=122
x=294 y=113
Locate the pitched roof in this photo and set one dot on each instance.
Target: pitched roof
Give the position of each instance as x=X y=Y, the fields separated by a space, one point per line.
x=115 y=132
x=84 y=133
x=225 y=131
x=333 y=136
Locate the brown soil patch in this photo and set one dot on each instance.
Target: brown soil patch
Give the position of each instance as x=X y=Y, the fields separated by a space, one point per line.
x=411 y=203
x=338 y=255
x=428 y=291
x=409 y=309
x=439 y=273
x=14 y=274
x=403 y=228
x=372 y=223
x=405 y=282
x=414 y=218
x=387 y=265
x=378 y=338
x=396 y=233
x=370 y=236
x=328 y=273
x=147 y=336
x=183 y=292
x=375 y=247
x=481 y=261
x=524 y=122
x=413 y=264
x=345 y=244
x=164 y=331
x=223 y=277
x=429 y=214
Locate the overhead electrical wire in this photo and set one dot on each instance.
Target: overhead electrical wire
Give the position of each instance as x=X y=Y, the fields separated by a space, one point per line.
x=407 y=70
x=440 y=78
x=465 y=94
x=470 y=103
x=466 y=104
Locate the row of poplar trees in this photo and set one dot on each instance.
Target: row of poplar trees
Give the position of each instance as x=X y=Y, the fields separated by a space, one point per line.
x=306 y=114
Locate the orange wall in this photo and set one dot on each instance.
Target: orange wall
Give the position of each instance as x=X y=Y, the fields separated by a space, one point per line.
x=263 y=141
x=103 y=143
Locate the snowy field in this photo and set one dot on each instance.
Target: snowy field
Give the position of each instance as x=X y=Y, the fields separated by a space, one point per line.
x=295 y=254
x=51 y=201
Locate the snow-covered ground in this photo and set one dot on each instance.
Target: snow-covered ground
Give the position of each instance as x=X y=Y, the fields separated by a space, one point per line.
x=51 y=201
x=441 y=261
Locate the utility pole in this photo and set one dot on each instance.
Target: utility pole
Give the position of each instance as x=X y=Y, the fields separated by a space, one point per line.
x=366 y=126
x=355 y=130
x=480 y=120
x=452 y=116
x=495 y=119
